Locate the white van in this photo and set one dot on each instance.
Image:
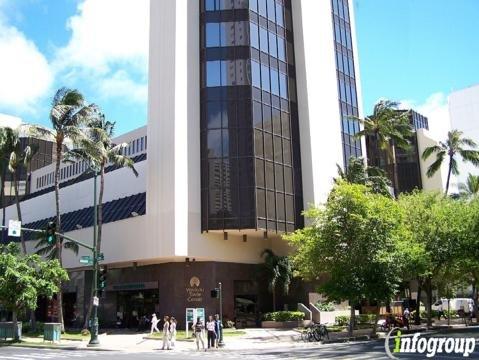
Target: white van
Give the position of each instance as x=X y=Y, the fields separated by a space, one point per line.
x=454 y=304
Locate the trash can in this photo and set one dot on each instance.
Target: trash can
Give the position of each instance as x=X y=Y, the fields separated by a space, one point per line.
x=52 y=332
x=6 y=330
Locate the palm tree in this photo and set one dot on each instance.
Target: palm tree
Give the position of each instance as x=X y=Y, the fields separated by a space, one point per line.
x=68 y=113
x=17 y=158
x=279 y=272
x=4 y=159
x=358 y=173
x=454 y=145
x=384 y=130
x=471 y=187
x=98 y=149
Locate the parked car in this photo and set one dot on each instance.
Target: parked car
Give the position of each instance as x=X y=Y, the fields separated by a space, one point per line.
x=456 y=304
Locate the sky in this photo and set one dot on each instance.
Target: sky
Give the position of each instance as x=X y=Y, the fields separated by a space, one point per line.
x=412 y=51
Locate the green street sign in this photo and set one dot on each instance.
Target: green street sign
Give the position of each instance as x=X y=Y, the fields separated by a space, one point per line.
x=100 y=257
x=86 y=260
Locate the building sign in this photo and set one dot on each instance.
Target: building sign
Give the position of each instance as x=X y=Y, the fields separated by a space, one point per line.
x=133 y=286
x=194 y=293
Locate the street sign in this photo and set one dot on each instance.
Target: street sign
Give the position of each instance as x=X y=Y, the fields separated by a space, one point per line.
x=100 y=257
x=86 y=260
x=14 y=228
x=96 y=301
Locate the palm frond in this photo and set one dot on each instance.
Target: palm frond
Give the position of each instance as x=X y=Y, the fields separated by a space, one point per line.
x=471 y=156
x=435 y=166
x=431 y=150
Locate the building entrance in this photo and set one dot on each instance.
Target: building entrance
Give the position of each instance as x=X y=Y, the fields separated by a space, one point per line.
x=135 y=308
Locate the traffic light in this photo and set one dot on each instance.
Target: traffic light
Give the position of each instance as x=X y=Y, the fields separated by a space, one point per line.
x=101 y=279
x=215 y=293
x=50 y=232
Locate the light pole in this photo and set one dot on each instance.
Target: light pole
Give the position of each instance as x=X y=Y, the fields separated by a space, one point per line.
x=221 y=343
x=94 y=317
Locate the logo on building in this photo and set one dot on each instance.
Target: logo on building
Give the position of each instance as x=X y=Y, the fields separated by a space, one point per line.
x=195 y=282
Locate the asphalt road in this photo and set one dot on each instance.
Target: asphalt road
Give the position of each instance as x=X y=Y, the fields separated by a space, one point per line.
x=358 y=350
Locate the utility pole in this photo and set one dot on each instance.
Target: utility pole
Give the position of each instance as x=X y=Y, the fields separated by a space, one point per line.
x=94 y=317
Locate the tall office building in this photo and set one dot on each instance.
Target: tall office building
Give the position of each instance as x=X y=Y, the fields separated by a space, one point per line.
x=248 y=118
x=464 y=115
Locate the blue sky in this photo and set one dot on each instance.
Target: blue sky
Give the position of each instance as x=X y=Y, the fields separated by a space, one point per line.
x=414 y=51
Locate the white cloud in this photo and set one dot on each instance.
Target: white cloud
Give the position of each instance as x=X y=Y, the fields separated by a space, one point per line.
x=435 y=108
x=25 y=75
x=107 y=32
x=9 y=120
x=121 y=85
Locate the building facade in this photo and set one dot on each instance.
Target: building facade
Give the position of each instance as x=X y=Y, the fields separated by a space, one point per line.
x=247 y=118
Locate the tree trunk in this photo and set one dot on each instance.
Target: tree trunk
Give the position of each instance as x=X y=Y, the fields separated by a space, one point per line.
x=429 y=301
x=274 y=298
x=351 y=319
x=475 y=298
x=417 y=318
x=395 y=170
x=33 y=321
x=449 y=171
x=375 y=324
x=19 y=210
x=59 y=228
x=15 y=326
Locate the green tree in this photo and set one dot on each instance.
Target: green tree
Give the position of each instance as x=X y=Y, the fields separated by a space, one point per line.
x=68 y=114
x=358 y=173
x=23 y=278
x=455 y=146
x=385 y=130
x=435 y=225
x=471 y=187
x=279 y=272
x=97 y=149
x=352 y=243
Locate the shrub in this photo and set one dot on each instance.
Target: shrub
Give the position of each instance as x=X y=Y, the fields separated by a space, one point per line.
x=365 y=319
x=323 y=306
x=228 y=324
x=283 y=316
x=342 y=320
x=26 y=327
x=85 y=332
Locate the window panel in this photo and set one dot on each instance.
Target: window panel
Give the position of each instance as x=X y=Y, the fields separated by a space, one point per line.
x=270 y=205
x=258 y=143
x=273 y=49
x=262 y=7
x=285 y=124
x=276 y=122
x=257 y=115
x=261 y=203
x=281 y=49
x=278 y=150
x=226 y=4
x=280 y=210
x=212 y=35
x=213 y=114
x=287 y=152
x=289 y=202
x=210 y=5
x=241 y=72
x=269 y=174
x=283 y=86
x=263 y=39
x=278 y=176
x=268 y=146
x=254 y=35
x=214 y=143
x=260 y=173
x=255 y=74
x=279 y=15
x=213 y=71
x=253 y=5
x=267 y=125
x=265 y=78
x=227 y=34
x=271 y=10
x=274 y=82
x=226 y=142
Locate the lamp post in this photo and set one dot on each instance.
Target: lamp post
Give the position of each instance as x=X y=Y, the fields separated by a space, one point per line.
x=220 y=342
x=94 y=317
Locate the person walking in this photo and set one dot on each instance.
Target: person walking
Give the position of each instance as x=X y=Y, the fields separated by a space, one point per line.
x=198 y=329
x=172 y=332
x=406 y=316
x=218 y=329
x=166 y=333
x=210 y=326
x=154 y=324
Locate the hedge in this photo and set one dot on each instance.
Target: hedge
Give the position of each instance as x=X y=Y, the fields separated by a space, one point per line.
x=283 y=316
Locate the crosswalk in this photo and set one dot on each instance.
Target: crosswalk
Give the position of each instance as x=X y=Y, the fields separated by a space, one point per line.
x=45 y=355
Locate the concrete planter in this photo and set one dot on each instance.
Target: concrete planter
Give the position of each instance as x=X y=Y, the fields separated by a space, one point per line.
x=281 y=324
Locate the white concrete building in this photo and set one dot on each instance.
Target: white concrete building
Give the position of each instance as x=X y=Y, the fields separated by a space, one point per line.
x=248 y=117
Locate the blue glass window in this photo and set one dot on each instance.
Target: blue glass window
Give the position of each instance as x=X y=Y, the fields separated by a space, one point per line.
x=212 y=35
x=214 y=143
x=271 y=10
x=262 y=7
x=265 y=78
x=213 y=114
x=213 y=73
x=283 y=85
x=279 y=15
x=274 y=82
x=263 y=39
x=255 y=74
x=253 y=33
x=253 y=5
x=281 y=49
x=273 y=49
x=210 y=5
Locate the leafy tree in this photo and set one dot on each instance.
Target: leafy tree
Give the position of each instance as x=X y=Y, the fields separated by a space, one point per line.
x=97 y=149
x=279 y=271
x=471 y=187
x=385 y=129
x=454 y=146
x=352 y=242
x=68 y=114
x=435 y=225
x=23 y=278
x=358 y=173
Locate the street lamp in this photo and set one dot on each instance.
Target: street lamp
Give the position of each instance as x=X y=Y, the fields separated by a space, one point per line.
x=220 y=342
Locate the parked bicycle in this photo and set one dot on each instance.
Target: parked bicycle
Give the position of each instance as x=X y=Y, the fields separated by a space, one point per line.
x=315 y=332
